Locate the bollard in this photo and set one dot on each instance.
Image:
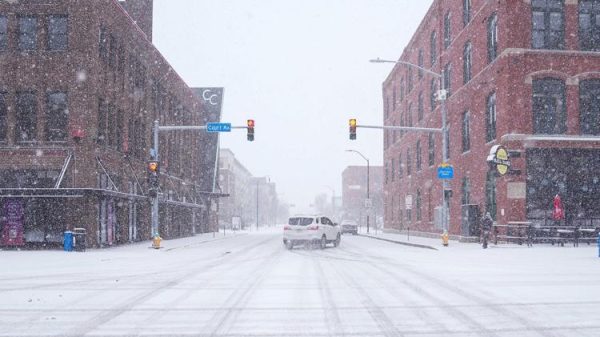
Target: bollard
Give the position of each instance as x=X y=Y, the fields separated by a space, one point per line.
x=156 y=242
x=445 y=239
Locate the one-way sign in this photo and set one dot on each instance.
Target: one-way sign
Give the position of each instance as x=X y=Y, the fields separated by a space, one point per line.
x=218 y=127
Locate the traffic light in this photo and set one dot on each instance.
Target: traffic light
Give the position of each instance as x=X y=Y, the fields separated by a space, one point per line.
x=153 y=177
x=251 y=130
x=352 y=129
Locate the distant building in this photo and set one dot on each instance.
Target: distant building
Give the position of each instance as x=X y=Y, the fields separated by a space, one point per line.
x=268 y=201
x=519 y=74
x=80 y=86
x=354 y=194
x=236 y=181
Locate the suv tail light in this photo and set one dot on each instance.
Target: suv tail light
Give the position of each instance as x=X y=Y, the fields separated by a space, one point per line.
x=313 y=228
x=287 y=228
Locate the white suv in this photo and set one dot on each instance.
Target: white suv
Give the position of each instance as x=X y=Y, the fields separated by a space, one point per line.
x=310 y=230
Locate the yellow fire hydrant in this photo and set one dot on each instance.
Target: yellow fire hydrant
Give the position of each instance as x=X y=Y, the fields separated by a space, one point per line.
x=445 y=239
x=156 y=242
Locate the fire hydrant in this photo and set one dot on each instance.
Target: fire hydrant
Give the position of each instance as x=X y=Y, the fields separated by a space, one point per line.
x=445 y=239
x=156 y=242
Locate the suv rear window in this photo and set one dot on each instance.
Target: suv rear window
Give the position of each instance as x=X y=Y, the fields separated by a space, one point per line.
x=300 y=221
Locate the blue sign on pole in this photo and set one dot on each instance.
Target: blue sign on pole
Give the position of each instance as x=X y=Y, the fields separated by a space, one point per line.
x=445 y=172
x=218 y=127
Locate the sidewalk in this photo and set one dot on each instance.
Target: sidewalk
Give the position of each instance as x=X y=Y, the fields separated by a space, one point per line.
x=413 y=241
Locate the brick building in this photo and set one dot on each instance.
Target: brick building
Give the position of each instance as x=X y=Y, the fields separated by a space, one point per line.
x=80 y=84
x=354 y=193
x=521 y=74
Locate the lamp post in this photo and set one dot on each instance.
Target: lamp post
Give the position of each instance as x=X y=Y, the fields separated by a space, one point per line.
x=257 y=184
x=441 y=97
x=332 y=198
x=368 y=174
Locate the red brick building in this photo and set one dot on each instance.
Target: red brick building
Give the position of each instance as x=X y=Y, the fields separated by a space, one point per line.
x=521 y=74
x=354 y=193
x=80 y=85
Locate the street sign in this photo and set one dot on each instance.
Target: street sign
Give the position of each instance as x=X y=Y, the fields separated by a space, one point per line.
x=445 y=171
x=368 y=203
x=218 y=127
x=408 y=202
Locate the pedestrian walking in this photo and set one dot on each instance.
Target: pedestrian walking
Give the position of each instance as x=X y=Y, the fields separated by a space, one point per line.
x=576 y=235
x=486 y=226
x=530 y=234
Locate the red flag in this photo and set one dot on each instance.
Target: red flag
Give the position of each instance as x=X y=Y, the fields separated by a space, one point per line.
x=558 y=212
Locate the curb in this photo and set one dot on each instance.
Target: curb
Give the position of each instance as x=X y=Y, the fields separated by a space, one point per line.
x=416 y=245
x=200 y=242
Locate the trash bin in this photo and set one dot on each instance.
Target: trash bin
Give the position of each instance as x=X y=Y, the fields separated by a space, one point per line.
x=68 y=241
x=79 y=235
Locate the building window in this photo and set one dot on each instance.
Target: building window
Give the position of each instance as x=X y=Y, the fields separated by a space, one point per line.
x=420 y=107
x=3 y=118
x=466 y=191
x=419 y=156
x=549 y=109
x=410 y=115
x=447 y=31
x=420 y=63
x=490 y=118
x=467 y=62
x=548 y=24
x=466 y=12
x=433 y=88
x=102 y=122
x=394 y=97
x=490 y=193
x=400 y=166
x=402 y=90
x=57 y=32
x=589 y=25
x=447 y=79
x=393 y=170
x=408 y=163
x=466 y=131
x=589 y=103
x=26 y=126
x=431 y=149
x=386 y=105
x=57 y=117
x=433 y=47
x=492 y=37
x=103 y=43
x=410 y=80
x=27 y=32
x=112 y=51
x=386 y=173
x=418 y=205
x=3 y=32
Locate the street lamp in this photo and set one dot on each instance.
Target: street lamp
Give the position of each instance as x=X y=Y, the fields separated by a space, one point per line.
x=332 y=198
x=257 y=184
x=368 y=196
x=442 y=97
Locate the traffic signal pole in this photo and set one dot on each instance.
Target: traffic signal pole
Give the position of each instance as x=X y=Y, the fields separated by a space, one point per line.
x=156 y=128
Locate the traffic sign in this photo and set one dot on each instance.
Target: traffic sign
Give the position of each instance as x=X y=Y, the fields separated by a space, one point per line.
x=445 y=172
x=218 y=127
x=368 y=203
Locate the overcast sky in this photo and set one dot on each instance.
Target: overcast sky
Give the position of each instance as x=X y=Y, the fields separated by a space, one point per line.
x=300 y=69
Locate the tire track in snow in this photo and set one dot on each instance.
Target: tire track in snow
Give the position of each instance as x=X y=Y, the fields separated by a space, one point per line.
x=95 y=322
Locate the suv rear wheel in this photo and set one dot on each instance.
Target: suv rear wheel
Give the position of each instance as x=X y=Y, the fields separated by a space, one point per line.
x=323 y=242
x=337 y=241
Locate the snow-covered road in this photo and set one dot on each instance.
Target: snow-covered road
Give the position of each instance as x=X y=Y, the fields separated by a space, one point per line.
x=249 y=285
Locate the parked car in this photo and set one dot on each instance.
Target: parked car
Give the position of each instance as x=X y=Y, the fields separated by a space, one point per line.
x=349 y=226
x=311 y=230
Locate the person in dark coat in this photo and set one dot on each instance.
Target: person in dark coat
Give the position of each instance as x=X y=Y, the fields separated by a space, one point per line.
x=530 y=235
x=576 y=235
